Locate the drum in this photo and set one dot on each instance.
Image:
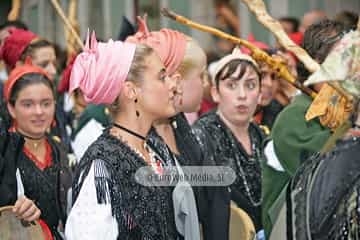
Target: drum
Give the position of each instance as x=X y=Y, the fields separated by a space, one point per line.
x=12 y=228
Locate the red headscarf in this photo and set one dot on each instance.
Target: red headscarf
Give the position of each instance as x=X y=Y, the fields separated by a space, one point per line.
x=254 y=42
x=65 y=79
x=296 y=37
x=17 y=73
x=14 y=45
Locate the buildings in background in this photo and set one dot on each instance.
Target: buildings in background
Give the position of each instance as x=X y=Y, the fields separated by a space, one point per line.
x=105 y=15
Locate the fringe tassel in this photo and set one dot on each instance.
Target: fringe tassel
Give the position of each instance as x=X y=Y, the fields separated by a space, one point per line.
x=102 y=182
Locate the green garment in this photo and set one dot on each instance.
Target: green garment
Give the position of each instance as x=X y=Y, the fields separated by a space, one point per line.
x=98 y=112
x=294 y=140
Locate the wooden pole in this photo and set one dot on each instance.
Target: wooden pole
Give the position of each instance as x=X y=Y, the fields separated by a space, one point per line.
x=259 y=55
x=67 y=23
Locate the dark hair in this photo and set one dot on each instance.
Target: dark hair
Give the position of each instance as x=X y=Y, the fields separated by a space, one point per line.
x=222 y=2
x=293 y=21
x=29 y=50
x=318 y=41
x=61 y=57
x=15 y=23
x=348 y=18
x=231 y=68
x=272 y=51
x=27 y=80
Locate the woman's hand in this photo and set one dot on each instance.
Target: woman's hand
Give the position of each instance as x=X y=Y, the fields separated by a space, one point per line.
x=26 y=209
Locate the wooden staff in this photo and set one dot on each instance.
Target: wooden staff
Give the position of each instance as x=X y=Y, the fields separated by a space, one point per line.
x=257 y=7
x=259 y=55
x=67 y=22
x=72 y=47
x=15 y=10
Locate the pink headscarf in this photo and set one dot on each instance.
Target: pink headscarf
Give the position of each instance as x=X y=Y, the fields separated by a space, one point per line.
x=101 y=70
x=170 y=45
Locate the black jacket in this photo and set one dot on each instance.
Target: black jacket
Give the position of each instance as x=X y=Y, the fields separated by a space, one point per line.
x=11 y=145
x=325 y=195
x=220 y=148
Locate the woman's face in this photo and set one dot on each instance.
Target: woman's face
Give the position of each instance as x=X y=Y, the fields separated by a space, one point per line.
x=45 y=58
x=192 y=89
x=237 y=98
x=192 y=86
x=33 y=110
x=269 y=85
x=157 y=91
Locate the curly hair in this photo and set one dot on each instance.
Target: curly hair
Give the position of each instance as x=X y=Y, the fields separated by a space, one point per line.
x=348 y=18
x=318 y=41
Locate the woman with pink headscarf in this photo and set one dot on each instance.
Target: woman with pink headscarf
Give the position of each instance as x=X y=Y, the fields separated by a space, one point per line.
x=185 y=61
x=109 y=202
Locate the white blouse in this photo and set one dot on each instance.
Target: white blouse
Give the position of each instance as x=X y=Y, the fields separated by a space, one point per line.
x=88 y=219
x=85 y=137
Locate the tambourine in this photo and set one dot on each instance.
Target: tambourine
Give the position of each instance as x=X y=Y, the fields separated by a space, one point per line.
x=12 y=228
x=241 y=225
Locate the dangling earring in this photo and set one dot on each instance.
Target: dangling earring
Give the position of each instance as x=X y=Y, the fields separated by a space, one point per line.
x=136 y=111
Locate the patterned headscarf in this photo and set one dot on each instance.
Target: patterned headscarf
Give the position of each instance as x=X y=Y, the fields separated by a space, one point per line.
x=342 y=65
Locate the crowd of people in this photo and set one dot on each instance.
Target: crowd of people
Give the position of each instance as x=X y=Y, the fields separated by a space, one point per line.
x=74 y=138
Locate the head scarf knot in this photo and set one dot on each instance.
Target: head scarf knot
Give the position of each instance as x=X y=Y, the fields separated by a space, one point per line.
x=100 y=71
x=170 y=45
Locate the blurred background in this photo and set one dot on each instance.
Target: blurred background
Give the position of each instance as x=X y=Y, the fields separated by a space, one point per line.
x=105 y=16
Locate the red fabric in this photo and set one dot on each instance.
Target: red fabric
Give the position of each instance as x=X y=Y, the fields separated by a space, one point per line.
x=258 y=117
x=354 y=132
x=206 y=106
x=48 y=154
x=253 y=41
x=65 y=80
x=159 y=168
x=14 y=45
x=296 y=37
x=46 y=230
x=17 y=73
x=38 y=163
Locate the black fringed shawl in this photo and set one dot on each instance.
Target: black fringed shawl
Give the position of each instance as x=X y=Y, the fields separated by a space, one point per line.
x=141 y=212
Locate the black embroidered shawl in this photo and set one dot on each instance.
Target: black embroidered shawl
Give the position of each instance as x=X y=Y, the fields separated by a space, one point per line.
x=188 y=147
x=189 y=152
x=220 y=147
x=141 y=212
